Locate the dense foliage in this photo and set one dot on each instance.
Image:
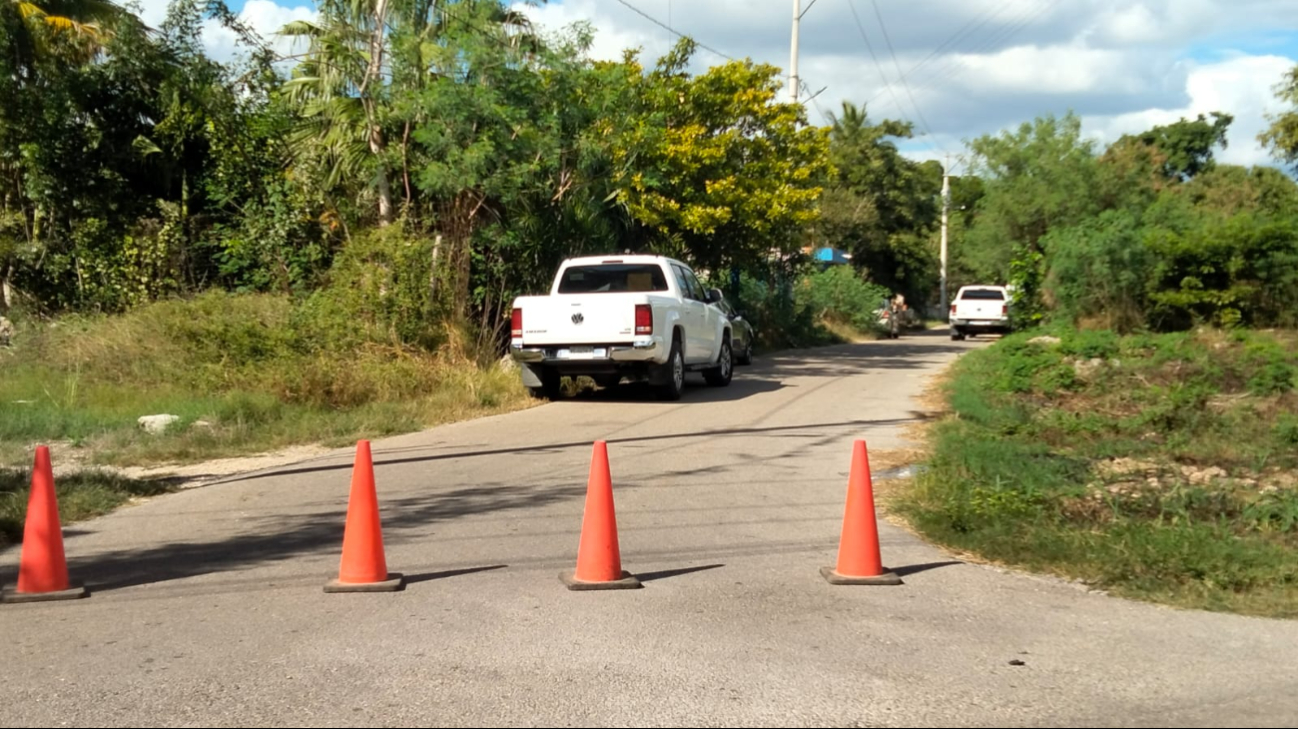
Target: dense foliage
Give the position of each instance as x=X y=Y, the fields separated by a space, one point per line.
x=133 y=167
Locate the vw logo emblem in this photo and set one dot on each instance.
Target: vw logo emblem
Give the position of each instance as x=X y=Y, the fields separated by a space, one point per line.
x=578 y=318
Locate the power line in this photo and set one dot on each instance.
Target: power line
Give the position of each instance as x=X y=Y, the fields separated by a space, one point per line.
x=965 y=31
x=926 y=139
x=812 y=98
x=669 y=29
x=901 y=78
x=1012 y=28
x=1001 y=36
x=870 y=46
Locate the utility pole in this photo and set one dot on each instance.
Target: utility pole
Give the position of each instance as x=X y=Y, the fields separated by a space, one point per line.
x=793 y=51
x=946 y=205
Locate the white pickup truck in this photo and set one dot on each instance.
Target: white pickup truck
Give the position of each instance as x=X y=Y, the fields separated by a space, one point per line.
x=641 y=317
x=978 y=309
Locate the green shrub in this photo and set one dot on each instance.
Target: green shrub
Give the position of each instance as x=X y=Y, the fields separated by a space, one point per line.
x=1090 y=344
x=1243 y=271
x=840 y=294
x=1286 y=429
x=1273 y=378
x=378 y=290
x=1099 y=270
x=1024 y=476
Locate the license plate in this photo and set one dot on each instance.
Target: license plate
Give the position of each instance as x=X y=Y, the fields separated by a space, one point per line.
x=582 y=353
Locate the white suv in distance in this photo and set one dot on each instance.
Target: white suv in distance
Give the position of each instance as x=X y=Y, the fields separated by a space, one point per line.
x=980 y=310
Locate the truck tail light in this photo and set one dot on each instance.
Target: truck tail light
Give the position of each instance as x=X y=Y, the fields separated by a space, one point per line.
x=644 y=319
x=953 y=310
x=1005 y=309
x=516 y=324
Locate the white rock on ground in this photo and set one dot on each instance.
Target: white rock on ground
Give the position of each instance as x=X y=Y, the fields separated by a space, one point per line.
x=155 y=424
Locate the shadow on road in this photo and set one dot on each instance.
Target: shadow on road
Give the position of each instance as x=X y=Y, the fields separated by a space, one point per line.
x=917 y=568
x=696 y=390
x=782 y=430
x=769 y=373
x=856 y=359
x=276 y=538
x=443 y=574
x=664 y=574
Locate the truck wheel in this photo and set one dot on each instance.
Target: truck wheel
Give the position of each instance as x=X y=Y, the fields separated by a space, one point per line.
x=746 y=358
x=674 y=374
x=956 y=335
x=720 y=375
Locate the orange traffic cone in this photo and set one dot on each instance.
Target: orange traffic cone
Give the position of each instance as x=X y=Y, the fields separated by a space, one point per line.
x=363 y=567
x=858 y=549
x=43 y=570
x=599 y=560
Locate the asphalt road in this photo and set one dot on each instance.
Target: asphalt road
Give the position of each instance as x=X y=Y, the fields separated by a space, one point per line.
x=207 y=606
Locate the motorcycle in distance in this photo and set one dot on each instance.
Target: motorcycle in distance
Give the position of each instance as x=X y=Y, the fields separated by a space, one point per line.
x=893 y=316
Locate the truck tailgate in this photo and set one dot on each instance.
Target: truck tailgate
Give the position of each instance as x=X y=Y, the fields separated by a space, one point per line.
x=980 y=309
x=579 y=319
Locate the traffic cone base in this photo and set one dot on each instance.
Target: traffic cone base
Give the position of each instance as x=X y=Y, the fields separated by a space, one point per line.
x=395 y=581
x=627 y=582
x=858 y=549
x=72 y=593
x=832 y=576
x=43 y=568
x=364 y=566
x=599 y=558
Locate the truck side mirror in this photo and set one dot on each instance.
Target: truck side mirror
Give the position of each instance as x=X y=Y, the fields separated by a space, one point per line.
x=715 y=296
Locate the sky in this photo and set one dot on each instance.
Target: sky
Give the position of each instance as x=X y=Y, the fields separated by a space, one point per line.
x=956 y=69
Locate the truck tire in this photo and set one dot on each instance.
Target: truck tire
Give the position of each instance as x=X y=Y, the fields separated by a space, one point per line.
x=746 y=357
x=720 y=375
x=673 y=373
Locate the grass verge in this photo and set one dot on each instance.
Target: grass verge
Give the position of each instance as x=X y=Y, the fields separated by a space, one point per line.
x=1160 y=468
x=81 y=496
x=242 y=374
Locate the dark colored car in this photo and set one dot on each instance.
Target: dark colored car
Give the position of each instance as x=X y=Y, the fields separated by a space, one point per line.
x=741 y=332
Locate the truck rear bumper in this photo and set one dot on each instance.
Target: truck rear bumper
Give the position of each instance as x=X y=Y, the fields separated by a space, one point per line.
x=578 y=356
x=981 y=324
x=638 y=360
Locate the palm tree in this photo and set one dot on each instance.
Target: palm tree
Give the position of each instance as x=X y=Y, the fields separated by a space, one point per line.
x=86 y=23
x=337 y=102
x=345 y=77
x=339 y=85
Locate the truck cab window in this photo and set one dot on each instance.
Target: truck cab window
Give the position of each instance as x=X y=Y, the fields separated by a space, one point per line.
x=612 y=278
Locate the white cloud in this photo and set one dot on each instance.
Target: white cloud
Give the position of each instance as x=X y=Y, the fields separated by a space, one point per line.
x=1240 y=86
x=610 y=38
x=152 y=12
x=975 y=67
x=1132 y=24
x=1154 y=22
x=265 y=17
x=1072 y=69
